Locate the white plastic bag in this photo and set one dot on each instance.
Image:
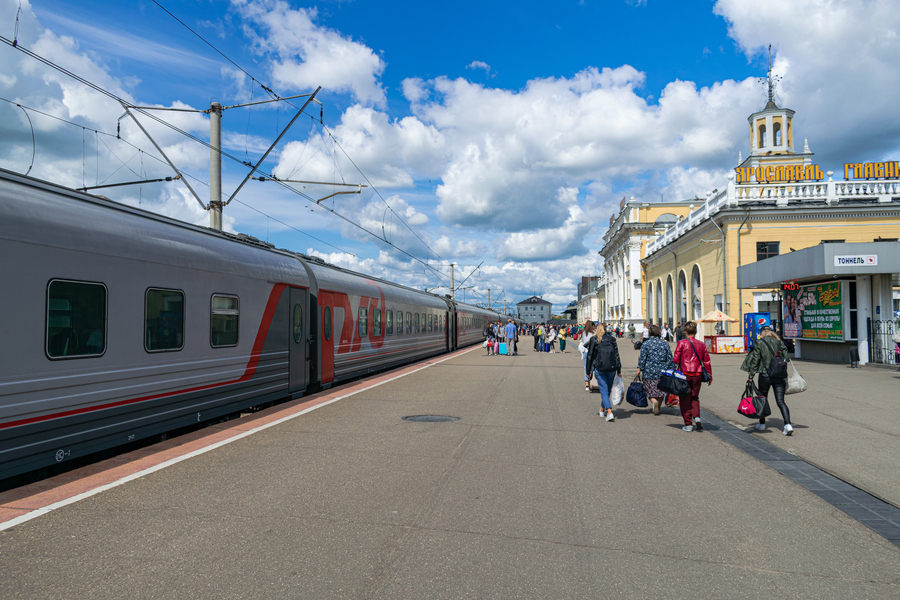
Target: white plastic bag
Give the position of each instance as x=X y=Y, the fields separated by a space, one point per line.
x=617 y=392
x=795 y=383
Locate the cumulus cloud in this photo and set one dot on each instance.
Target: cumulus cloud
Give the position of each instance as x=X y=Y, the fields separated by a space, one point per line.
x=478 y=64
x=305 y=55
x=832 y=54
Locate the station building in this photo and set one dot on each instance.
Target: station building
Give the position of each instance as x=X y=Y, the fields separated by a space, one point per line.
x=776 y=202
x=625 y=243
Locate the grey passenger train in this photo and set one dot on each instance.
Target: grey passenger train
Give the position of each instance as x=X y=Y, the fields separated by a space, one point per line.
x=120 y=324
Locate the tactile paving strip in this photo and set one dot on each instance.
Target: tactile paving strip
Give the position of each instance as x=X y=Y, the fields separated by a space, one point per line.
x=874 y=513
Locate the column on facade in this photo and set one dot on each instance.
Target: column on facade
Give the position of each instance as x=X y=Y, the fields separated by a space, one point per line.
x=634 y=250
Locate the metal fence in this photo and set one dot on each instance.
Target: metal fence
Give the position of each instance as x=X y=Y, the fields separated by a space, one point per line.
x=882 y=349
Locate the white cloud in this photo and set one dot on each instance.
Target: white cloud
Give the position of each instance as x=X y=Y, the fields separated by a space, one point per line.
x=838 y=59
x=305 y=55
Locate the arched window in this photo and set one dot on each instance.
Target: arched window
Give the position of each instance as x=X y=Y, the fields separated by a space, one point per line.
x=659 y=312
x=696 y=296
x=761 y=139
x=776 y=132
x=665 y=220
x=682 y=298
x=669 y=301
x=650 y=302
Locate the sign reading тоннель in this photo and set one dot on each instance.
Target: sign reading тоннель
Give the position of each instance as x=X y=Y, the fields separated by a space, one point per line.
x=856 y=260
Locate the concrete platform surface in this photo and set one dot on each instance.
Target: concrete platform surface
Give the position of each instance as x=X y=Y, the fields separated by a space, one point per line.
x=529 y=495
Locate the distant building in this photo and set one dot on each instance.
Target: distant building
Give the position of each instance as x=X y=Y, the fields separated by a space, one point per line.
x=534 y=310
x=591 y=301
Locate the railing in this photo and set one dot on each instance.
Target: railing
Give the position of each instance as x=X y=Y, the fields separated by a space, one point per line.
x=830 y=191
x=882 y=349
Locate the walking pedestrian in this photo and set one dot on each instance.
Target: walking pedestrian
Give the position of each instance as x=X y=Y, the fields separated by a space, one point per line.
x=631 y=330
x=603 y=359
x=551 y=338
x=758 y=361
x=586 y=335
x=488 y=334
x=510 y=338
x=679 y=333
x=655 y=356
x=692 y=357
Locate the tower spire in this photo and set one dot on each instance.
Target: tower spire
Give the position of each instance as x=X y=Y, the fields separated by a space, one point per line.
x=771 y=82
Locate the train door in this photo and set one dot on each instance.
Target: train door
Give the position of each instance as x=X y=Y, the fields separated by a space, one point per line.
x=300 y=338
x=326 y=335
x=454 y=337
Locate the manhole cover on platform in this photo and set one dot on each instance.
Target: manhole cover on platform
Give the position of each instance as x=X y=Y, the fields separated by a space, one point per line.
x=430 y=418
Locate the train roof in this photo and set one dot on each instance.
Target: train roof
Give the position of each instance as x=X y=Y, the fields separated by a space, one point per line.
x=244 y=240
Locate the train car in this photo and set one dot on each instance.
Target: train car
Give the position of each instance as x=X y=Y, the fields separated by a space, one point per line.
x=368 y=324
x=122 y=324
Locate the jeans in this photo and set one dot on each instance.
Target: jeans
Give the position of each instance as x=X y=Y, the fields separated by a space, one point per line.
x=605 y=381
x=778 y=384
x=584 y=370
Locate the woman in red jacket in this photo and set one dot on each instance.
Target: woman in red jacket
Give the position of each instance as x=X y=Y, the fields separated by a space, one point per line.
x=692 y=357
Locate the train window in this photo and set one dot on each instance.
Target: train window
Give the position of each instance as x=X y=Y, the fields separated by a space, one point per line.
x=417 y=324
x=363 y=322
x=408 y=323
x=327 y=323
x=76 y=319
x=430 y=327
x=376 y=322
x=390 y=322
x=223 y=321
x=163 y=320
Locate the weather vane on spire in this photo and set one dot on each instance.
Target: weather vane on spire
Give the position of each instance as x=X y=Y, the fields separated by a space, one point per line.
x=771 y=81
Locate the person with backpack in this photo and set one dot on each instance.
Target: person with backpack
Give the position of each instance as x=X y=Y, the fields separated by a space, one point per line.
x=693 y=359
x=768 y=357
x=603 y=360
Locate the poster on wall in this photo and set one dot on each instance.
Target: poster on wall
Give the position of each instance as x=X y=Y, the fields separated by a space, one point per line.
x=814 y=312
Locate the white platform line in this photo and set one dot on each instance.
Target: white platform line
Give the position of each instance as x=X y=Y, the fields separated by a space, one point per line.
x=51 y=507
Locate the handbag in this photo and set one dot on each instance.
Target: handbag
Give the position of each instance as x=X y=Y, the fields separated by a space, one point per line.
x=617 y=392
x=795 y=383
x=673 y=381
x=636 y=395
x=704 y=376
x=753 y=405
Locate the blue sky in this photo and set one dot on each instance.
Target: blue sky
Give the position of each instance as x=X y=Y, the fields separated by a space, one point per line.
x=493 y=132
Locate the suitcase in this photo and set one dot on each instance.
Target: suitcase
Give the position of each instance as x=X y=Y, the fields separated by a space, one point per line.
x=546 y=347
x=502 y=349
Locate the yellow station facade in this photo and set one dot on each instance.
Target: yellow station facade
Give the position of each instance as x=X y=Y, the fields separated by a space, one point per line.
x=670 y=262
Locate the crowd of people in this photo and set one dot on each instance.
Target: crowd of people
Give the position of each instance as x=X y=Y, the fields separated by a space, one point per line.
x=602 y=362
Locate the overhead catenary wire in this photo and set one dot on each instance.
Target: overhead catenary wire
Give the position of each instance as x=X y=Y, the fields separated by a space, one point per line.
x=144 y=112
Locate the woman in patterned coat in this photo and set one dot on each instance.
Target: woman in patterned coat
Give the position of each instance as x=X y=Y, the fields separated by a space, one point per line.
x=655 y=356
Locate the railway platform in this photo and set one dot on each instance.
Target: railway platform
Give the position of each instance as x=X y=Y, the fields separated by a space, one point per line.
x=527 y=493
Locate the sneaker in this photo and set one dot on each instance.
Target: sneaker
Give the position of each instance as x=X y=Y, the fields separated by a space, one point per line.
x=601 y=412
x=655 y=406
x=688 y=428
x=610 y=416
x=788 y=429
x=698 y=425
x=587 y=387
x=760 y=426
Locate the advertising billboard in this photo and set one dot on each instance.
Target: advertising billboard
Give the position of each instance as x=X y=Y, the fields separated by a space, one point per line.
x=813 y=312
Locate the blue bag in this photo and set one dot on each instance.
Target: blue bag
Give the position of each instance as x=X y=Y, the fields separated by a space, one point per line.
x=636 y=394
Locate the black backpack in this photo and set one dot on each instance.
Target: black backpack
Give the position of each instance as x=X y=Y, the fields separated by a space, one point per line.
x=778 y=367
x=606 y=355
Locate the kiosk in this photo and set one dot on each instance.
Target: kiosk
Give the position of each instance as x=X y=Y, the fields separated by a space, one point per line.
x=836 y=299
